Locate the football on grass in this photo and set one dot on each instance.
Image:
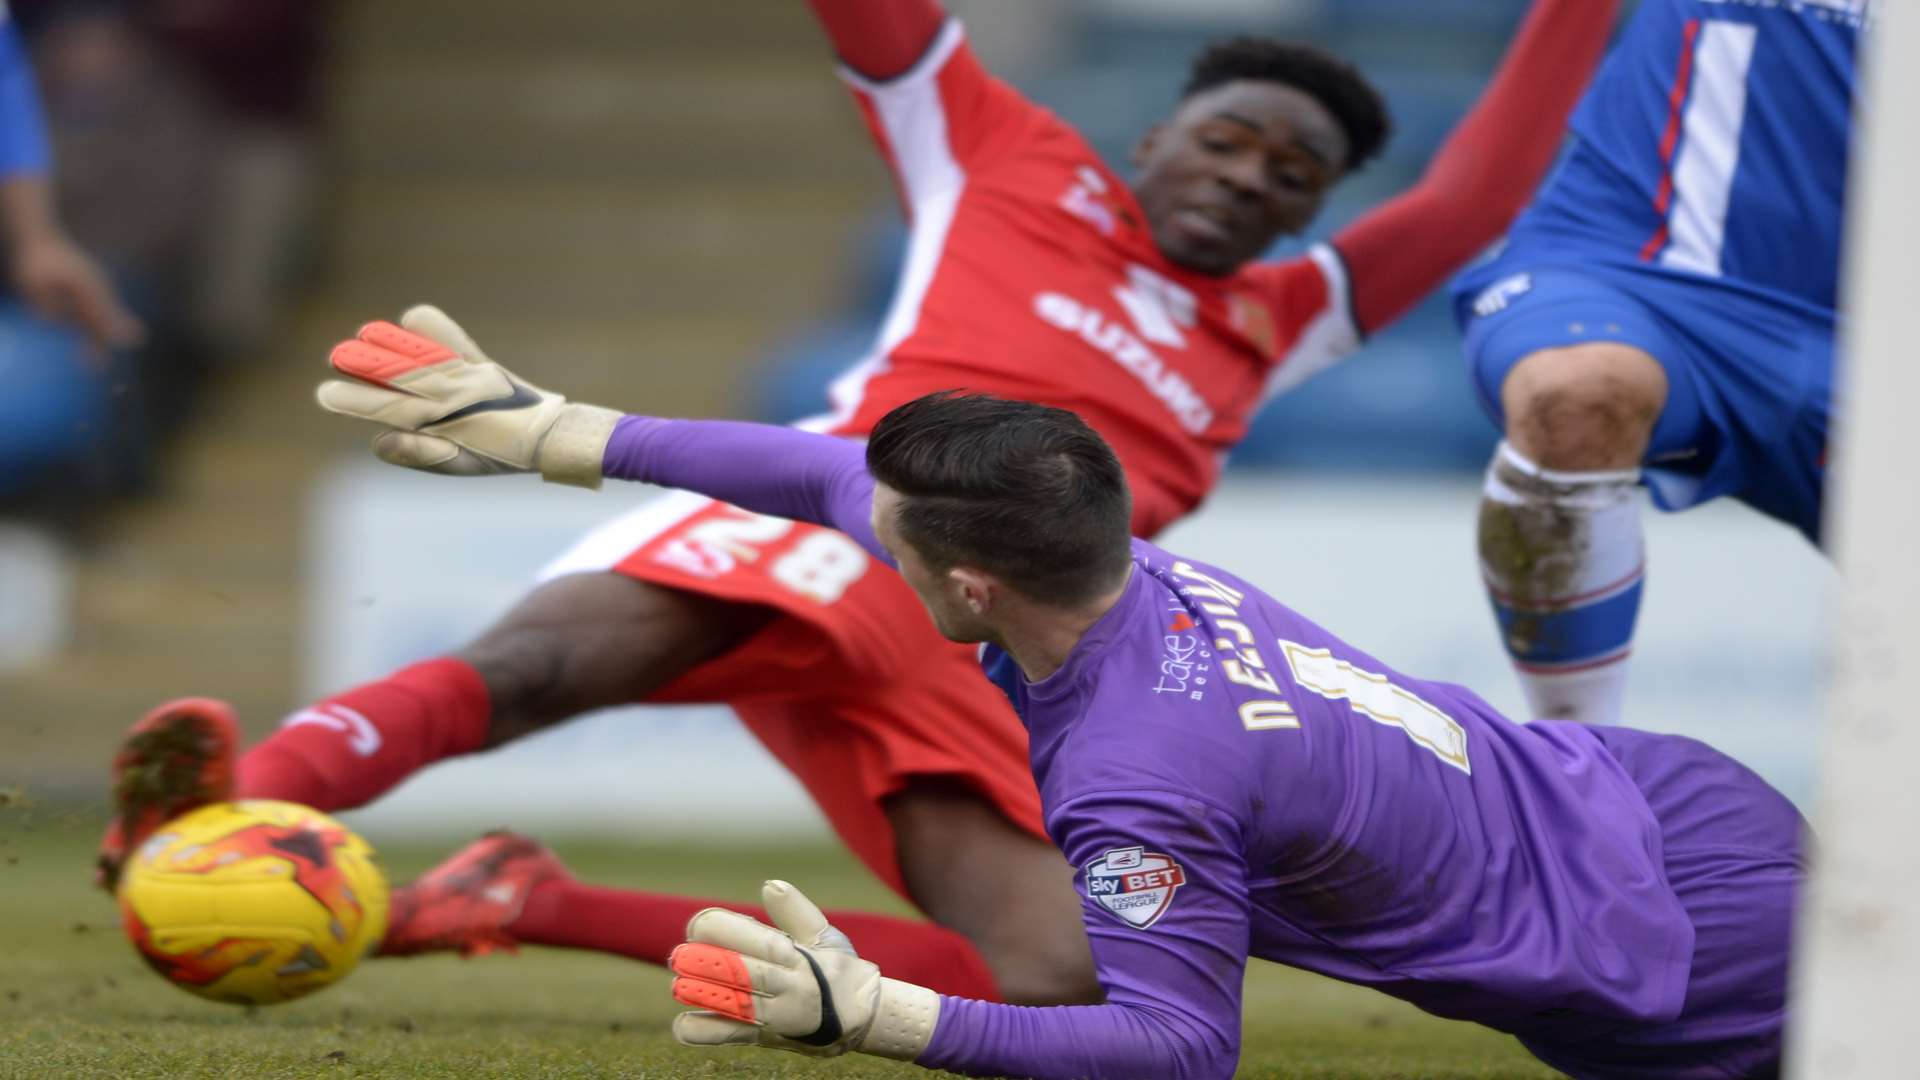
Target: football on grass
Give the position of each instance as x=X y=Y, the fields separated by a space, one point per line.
x=253 y=902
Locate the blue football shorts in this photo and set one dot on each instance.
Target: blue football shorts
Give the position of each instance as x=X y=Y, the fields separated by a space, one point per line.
x=1750 y=376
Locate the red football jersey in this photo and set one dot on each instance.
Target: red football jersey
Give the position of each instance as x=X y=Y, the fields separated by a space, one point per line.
x=1031 y=273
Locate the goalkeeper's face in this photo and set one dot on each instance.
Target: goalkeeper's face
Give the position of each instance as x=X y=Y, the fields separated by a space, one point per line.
x=958 y=598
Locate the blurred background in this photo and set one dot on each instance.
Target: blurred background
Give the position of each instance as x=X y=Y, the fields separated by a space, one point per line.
x=669 y=207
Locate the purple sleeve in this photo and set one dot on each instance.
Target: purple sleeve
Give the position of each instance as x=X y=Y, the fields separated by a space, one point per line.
x=759 y=467
x=1163 y=887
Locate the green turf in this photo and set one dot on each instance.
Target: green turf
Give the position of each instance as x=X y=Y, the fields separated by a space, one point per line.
x=74 y=1001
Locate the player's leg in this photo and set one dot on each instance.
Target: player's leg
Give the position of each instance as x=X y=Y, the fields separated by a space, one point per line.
x=1735 y=856
x=1559 y=532
x=920 y=767
x=1006 y=919
x=573 y=644
x=568 y=648
x=505 y=890
x=853 y=691
x=929 y=787
x=1777 y=376
x=1003 y=888
x=1586 y=382
x=590 y=636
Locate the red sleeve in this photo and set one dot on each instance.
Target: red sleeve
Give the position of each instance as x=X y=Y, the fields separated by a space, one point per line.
x=1487 y=169
x=934 y=109
x=879 y=39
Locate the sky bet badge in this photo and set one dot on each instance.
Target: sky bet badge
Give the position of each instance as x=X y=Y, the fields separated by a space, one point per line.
x=1134 y=883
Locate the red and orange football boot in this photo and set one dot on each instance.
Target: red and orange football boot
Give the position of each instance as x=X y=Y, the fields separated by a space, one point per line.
x=178 y=757
x=467 y=902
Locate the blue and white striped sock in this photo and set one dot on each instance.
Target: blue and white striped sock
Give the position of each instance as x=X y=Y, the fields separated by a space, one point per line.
x=1563 y=559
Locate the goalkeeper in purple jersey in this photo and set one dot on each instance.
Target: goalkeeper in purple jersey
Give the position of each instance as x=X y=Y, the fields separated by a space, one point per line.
x=1228 y=779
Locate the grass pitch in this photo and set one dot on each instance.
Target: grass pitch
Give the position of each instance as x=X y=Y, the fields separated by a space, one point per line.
x=76 y=1002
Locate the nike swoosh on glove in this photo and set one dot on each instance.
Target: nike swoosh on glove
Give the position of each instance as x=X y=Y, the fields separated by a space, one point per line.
x=796 y=985
x=453 y=411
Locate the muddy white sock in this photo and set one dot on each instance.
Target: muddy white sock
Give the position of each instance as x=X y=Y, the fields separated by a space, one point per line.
x=1563 y=558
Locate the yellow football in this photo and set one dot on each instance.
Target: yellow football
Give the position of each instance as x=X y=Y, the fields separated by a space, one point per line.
x=254 y=902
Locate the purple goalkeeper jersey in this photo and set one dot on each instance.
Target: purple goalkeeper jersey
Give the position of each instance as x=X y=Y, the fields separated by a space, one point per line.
x=1231 y=780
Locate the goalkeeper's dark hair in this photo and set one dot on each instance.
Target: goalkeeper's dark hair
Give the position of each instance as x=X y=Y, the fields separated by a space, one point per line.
x=1026 y=492
x=1331 y=81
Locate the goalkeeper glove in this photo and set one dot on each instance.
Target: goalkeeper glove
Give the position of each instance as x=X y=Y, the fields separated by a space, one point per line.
x=453 y=411
x=799 y=987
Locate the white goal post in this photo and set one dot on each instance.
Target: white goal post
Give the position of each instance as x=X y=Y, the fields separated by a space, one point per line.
x=1857 y=966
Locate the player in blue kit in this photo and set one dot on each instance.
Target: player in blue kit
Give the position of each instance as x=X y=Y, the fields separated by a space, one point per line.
x=1229 y=779
x=1664 y=314
x=44 y=266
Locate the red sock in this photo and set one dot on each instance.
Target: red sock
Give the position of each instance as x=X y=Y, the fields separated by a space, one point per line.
x=349 y=749
x=646 y=926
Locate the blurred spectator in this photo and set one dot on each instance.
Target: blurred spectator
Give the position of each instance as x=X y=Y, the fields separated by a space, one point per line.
x=186 y=131
x=49 y=270
x=57 y=388
x=259 y=63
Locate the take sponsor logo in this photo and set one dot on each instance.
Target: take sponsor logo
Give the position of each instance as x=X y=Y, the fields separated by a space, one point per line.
x=1184 y=658
x=1135 y=884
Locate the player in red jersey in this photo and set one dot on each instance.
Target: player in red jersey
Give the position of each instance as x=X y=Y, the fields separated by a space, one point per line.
x=1033 y=270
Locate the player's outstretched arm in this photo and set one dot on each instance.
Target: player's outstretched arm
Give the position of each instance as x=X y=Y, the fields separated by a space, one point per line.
x=1486 y=170
x=450 y=409
x=1173 y=985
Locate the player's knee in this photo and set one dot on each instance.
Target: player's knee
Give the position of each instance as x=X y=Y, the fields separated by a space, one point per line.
x=522 y=661
x=1003 y=889
x=1584 y=408
x=589 y=641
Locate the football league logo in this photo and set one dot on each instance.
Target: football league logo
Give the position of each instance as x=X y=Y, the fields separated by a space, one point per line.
x=1135 y=884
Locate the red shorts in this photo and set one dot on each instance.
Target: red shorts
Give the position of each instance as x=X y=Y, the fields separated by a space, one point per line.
x=853 y=690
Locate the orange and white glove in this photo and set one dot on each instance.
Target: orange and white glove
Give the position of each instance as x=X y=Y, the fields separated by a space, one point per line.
x=455 y=412
x=796 y=985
